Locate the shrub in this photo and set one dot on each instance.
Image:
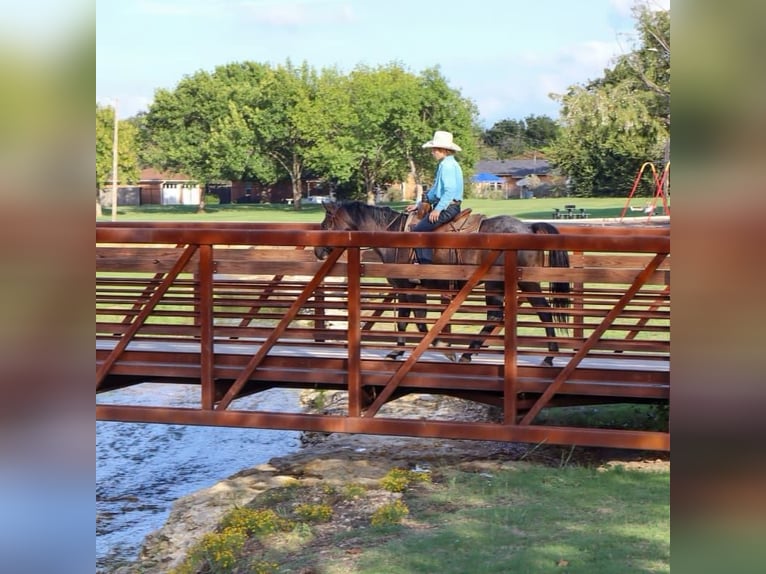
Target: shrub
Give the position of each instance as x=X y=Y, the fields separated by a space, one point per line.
x=398 y=479
x=391 y=513
x=216 y=552
x=255 y=522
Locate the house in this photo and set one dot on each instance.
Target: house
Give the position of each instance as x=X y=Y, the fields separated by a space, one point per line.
x=517 y=175
x=166 y=188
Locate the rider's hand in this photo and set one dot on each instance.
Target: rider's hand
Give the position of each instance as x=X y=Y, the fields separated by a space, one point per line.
x=410 y=208
x=434 y=215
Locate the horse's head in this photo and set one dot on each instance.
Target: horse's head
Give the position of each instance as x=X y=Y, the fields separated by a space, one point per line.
x=335 y=219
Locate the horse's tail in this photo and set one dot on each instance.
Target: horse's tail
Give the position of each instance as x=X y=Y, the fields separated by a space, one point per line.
x=556 y=258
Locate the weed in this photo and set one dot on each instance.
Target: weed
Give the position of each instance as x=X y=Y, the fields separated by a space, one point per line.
x=354 y=490
x=314 y=512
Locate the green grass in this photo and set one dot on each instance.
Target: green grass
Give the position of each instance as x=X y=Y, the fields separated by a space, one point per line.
x=609 y=207
x=533 y=519
x=522 y=518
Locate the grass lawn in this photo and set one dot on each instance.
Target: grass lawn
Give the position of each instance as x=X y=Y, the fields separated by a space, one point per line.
x=609 y=207
x=515 y=517
x=532 y=519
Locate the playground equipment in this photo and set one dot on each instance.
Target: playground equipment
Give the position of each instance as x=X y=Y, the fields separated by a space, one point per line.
x=659 y=192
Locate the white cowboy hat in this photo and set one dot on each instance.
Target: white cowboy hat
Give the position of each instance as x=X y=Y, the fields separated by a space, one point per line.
x=443 y=140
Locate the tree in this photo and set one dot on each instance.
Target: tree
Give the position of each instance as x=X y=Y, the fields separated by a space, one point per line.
x=202 y=127
x=540 y=131
x=443 y=108
x=513 y=138
x=612 y=125
x=251 y=120
x=506 y=137
x=283 y=118
x=127 y=149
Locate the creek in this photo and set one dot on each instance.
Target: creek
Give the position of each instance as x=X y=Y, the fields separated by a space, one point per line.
x=141 y=469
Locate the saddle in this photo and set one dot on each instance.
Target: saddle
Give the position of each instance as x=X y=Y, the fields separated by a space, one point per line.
x=463 y=222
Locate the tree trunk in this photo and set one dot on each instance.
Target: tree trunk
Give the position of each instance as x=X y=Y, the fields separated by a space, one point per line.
x=418 y=186
x=296 y=193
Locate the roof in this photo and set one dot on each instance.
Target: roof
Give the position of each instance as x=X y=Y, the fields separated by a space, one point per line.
x=485 y=177
x=152 y=174
x=513 y=167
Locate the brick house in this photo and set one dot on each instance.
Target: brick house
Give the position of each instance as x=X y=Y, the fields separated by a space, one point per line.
x=165 y=188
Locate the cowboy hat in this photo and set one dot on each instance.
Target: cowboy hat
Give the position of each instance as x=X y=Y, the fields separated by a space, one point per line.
x=443 y=140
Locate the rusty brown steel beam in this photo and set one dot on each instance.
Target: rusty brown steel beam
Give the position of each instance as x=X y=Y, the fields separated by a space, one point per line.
x=291 y=237
x=642 y=440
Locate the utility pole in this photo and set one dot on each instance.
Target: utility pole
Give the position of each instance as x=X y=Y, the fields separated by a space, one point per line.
x=114 y=165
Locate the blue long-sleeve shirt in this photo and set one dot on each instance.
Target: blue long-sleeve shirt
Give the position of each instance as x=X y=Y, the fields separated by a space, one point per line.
x=448 y=184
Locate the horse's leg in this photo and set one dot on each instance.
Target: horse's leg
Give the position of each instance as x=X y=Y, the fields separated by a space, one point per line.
x=494 y=300
x=447 y=329
x=546 y=316
x=402 y=312
x=420 y=313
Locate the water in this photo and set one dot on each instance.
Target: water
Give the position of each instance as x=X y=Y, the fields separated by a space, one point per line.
x=141 y=469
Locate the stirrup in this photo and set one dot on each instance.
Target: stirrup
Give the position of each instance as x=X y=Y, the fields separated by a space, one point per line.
x=415 y=280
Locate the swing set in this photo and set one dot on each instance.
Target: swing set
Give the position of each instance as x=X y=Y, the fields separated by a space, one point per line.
x=660 y=183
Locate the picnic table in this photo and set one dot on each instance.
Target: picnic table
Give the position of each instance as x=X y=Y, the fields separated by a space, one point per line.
x=570 y=211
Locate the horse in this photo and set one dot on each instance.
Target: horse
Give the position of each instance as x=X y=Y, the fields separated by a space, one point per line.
x=358 y=216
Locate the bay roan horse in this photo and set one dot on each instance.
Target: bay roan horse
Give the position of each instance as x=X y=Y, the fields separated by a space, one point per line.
x=358 y=216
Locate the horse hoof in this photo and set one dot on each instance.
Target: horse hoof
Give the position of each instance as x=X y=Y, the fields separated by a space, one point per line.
x=451 y=357
x=465 y=358
x=393 y=355
x=547 y=362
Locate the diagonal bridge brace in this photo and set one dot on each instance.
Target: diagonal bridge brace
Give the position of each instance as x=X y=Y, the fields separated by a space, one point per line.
x=487 y=262
x=289 y=316
x=638 y=282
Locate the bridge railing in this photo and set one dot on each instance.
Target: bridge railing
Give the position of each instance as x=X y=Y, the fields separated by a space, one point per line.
x=238 y=308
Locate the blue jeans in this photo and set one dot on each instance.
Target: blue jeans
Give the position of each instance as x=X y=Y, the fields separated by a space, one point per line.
x=426 y=254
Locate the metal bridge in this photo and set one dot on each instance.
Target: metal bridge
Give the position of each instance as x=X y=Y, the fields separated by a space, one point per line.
x=240 y=308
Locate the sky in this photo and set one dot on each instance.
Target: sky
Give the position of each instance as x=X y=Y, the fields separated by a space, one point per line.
x=506 y=56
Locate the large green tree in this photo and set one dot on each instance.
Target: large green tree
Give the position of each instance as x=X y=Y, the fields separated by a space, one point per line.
x=614 y=125
x=254 y=121
x=444 y=108
x=182 y=125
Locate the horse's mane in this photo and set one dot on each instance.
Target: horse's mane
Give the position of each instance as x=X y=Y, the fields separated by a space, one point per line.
x=360 y=211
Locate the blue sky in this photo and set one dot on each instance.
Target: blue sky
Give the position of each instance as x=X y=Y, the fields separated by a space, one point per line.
x=505 y=55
